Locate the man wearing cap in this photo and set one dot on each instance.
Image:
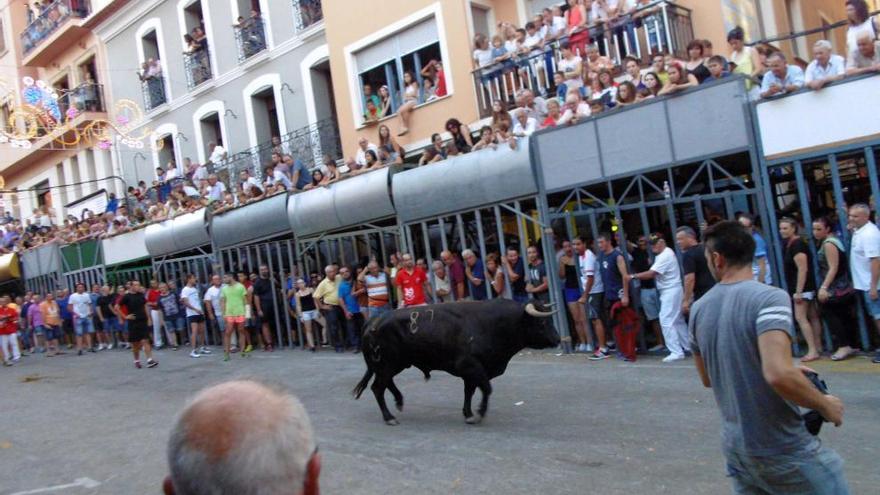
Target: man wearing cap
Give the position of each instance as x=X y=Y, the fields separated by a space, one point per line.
x=666 y=273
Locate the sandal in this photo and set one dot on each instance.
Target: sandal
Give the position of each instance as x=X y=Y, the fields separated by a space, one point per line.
x=809 y=359
x=842 y=357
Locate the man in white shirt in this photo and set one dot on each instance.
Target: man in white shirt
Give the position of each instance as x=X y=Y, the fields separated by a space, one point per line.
x=826 y=67
x=553 y=26
x=215 y=188
x=218 y=153
x=360 y=158
x=536 y=107
x=195 y=314
x=864 y=261
x=212 y=306
x=80 y=305
x=523 y=125
x=247 y=181
x=593 y=294
x=667 y=274
x=866 y=58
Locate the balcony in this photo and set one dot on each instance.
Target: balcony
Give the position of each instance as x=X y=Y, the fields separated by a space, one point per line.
x=250 y=37
x=307 y=144
x=307 y=13
x=153 y=89
x=87 y=97
x=197 y=66
x=657 y=27
x=61 y=23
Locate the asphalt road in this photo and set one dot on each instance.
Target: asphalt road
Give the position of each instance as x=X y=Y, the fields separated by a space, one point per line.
x=556 y=424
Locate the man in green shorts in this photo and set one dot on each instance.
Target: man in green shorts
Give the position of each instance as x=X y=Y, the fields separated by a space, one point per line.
x=233 y=297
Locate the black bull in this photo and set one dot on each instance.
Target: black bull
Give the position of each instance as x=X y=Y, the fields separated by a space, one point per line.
x=470 y=340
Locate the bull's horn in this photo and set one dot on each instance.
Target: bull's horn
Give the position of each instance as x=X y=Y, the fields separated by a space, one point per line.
x=530 y=309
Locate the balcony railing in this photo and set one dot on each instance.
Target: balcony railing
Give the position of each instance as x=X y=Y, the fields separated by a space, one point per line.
x=307 y=13
x=307 y=144
x=50 y=19
x=658 y=27
x=250 y=37
x=154 y=92
x=87 y=97
x=197 y=66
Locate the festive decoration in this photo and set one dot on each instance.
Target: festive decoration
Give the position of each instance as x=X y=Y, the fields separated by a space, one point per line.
x=40 y=115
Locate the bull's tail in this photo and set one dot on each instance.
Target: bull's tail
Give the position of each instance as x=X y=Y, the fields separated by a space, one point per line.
x=362 y=385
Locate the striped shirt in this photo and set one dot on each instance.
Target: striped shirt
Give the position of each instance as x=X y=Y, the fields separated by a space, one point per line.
x=377 y=290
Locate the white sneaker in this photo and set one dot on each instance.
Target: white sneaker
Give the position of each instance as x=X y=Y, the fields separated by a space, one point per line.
x=194 y=354
x=109 y=347
x=205 y=350
x=588 y=348
x=672 y=358
x=101 y=347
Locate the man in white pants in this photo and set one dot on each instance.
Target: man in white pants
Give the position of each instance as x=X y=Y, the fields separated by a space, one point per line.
x=8 y=335
x=666 y=273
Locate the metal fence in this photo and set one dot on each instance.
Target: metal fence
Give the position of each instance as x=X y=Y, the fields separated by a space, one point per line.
x=308 y=144
x=307 y=13
x=153 y=89
x=655 y=28
x=250 y=36
x=197 y=66
x=87 y=97
x=50 y=19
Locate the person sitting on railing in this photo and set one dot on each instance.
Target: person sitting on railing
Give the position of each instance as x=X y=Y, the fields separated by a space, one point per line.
x=679 y=80
x=388 y=146
x=866 y=58
x=825 y=68
x=716 y=66
x=782 y=77
x=410 y=97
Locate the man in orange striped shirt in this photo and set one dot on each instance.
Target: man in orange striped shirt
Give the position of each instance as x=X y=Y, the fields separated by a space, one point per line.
x=378 y=296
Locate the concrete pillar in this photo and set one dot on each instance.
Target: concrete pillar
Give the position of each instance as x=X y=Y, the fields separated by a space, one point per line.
x=104 y=167
x=56 y=178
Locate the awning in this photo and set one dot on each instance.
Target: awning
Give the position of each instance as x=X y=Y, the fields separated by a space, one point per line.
x=250 y=222
x=41 y=260
x=9 y=267
x=354 y=201
x=183 y=233
x=465 y=181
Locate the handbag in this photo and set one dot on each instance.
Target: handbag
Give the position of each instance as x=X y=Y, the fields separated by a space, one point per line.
x=841 y=287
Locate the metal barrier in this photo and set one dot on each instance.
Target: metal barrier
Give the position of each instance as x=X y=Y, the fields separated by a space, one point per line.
x=250 y=36
x=87 y=97
x=307 y=13
x=660 y=27
x=43 y=268
x=50 y=19
x=197 y=66
x=153 y=89
x=280 y=258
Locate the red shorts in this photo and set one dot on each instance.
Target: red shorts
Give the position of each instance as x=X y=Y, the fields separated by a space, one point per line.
x=234 y=320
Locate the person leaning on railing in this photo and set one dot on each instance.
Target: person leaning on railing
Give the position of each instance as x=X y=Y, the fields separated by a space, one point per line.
x=866 y=58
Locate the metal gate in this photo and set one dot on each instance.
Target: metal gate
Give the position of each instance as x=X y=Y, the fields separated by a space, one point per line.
x=89 y=276
x=661 y=200
x=119 y=275
x=358 y=247
x=83 y=263
x=279 y=257
x=176 y=269
x=43 y=284
x=823 y=184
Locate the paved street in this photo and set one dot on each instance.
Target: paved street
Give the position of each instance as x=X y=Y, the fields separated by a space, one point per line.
x=556 y=424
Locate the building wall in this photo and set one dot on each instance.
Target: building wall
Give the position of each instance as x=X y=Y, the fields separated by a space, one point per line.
x=278 y=67
x=352 y=24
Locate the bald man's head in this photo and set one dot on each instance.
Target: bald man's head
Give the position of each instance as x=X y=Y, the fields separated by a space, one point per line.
x=242 y=437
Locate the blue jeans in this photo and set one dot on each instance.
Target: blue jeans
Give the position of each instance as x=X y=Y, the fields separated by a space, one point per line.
x=818 y=471
x=376 y=311
x=83 y=326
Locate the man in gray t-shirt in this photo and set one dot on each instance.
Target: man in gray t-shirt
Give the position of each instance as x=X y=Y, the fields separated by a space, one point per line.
x=741 y=338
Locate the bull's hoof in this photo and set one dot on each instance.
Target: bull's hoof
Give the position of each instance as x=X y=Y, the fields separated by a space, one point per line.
x=474 y=420
x=392 y=422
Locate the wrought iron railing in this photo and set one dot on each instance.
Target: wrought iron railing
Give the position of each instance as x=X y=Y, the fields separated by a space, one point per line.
x=153 y=89
x=50 y=19
x=659 y=27
x=307 y=13
x=87 y=97
x=250 y=37
x=307 y=144
x=197 y=66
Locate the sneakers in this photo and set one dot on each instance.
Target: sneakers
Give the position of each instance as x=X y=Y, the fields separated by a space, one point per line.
x=579 y=348
x=588 y=348
x=204 y=350
x=79 y=352
x=225 y=356
x=151 y=363
x=109 y=347
x=7 y=363
x=673 y=357
x=599 y=355
x=137 y=364
x=100 y=347
x=249 y=348
x=876 y=359
x=194 y=354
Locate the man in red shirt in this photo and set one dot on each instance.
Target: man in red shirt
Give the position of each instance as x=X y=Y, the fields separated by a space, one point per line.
x=412 y=283
x=153 y=296
x=8 y=330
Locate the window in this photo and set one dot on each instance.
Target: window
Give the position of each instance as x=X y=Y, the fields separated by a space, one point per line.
x=384 y=63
